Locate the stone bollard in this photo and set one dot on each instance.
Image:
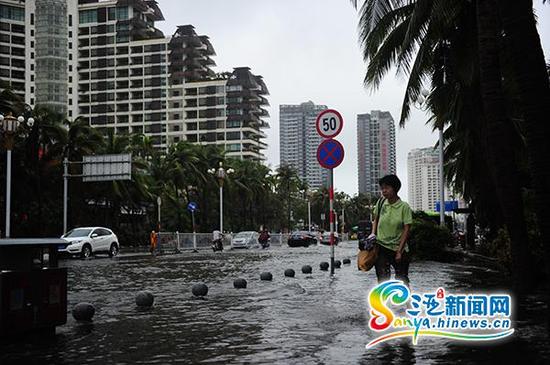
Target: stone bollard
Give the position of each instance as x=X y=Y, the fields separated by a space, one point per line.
x=306 y=269
x=346 y=261
x=145 y=299
x=83 y=312
x=337 y=264
x=289 y=273
x=199 y=290
x=239 y=283
x=324 y=266
x=266 y=276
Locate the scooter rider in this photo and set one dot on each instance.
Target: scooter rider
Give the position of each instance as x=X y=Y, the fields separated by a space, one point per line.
x=217 y=241
x=264 y=238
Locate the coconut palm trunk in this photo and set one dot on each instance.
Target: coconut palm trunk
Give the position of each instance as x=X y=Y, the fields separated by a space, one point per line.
x=499 y=132
x=529 y=73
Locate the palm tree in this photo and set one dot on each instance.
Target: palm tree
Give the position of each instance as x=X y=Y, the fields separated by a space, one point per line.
x=499 y=130
x=529 y=75
x=409 y=35
x=287 y=185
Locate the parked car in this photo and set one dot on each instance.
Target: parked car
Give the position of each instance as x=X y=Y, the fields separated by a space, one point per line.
x=325 y=238
x=86 y=241
x=301 y=239
x=245 y=239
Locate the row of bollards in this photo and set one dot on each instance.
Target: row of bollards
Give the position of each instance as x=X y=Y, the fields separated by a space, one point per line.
x=145 y=299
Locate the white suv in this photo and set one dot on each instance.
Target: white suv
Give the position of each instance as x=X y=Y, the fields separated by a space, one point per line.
x=86 y=241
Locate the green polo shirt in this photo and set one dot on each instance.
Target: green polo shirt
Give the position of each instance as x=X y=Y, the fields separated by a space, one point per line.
x=393 y=218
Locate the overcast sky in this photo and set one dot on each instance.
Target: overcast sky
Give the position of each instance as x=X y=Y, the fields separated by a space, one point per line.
x=308 y=50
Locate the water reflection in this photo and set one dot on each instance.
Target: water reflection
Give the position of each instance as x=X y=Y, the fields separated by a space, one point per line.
x=309 y=319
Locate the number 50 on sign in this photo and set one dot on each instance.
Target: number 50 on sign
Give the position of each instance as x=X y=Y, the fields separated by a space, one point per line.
x=329 y=123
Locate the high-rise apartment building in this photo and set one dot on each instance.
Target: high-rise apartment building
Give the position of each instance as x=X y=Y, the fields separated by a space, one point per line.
x=423 y=179
x=105 y=62
x=299 y=141
x=375 y=149
x=13 y=47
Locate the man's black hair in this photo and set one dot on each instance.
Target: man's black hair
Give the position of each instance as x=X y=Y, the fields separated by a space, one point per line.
x=391 y=180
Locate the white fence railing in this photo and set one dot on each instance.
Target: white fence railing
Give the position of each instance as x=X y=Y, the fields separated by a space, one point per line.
x=171 y=242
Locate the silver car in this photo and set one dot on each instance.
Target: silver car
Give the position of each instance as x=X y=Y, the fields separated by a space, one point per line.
x=86 y=241
x=245 y=239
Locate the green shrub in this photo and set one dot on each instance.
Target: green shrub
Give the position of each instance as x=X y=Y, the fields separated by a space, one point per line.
x=498 y=248
x=429 y=241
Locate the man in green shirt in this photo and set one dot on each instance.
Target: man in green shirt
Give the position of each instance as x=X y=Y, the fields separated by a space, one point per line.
x=391 y=227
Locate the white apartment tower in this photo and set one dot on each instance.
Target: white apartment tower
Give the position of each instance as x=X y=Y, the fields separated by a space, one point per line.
x=299 y=141
x=375 y=149
x=424 y=181
x=105 y=62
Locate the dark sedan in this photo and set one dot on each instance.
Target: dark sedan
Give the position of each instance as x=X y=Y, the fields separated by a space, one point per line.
x=301 y=239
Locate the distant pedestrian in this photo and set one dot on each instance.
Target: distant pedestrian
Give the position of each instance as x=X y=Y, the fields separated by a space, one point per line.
x=263 y=239
x=391 y=227
x=153 y=242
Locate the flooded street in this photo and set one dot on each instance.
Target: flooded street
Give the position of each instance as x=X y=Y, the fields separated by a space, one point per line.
x=309 y=319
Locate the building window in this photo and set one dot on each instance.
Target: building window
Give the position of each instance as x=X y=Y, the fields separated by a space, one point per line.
x=70 y=23
x=122 y=13
x=32 y=55
x=32 y=18
x=12 y=13
x=88 y=16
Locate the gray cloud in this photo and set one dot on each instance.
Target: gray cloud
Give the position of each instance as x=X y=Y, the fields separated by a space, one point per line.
x=307 y=50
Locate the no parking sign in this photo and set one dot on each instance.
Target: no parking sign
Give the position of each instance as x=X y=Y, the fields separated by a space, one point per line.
x=330 y=153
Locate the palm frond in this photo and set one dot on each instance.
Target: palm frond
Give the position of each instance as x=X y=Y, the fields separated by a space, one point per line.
x=385 y=57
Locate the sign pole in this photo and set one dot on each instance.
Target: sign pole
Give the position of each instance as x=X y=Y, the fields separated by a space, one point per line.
x=331 y=213
x=330 y=155
x=194 y=232
x=65 y=192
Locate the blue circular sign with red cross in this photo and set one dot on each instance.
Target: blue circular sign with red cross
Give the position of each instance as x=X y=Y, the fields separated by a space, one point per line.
x=330 y=153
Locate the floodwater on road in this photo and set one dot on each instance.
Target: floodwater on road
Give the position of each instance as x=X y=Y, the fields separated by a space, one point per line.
x=309 y=319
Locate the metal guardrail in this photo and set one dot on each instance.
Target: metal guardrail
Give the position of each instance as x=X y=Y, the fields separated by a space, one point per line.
x=173 y=242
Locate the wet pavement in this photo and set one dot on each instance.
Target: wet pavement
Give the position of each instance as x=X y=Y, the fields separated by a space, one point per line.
x=309 y=319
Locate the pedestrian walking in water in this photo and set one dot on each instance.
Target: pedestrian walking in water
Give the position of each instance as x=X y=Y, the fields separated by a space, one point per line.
x=391 y=227
x=153 y=238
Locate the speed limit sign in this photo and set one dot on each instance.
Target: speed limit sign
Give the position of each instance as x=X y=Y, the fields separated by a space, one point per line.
x=329 y=123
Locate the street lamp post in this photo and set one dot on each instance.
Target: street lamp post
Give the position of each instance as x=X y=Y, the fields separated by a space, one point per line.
x=159 y=202
x=309 y=196
x=9 y=125
x=220 y=173
x=343 y=221
x=309 y=215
